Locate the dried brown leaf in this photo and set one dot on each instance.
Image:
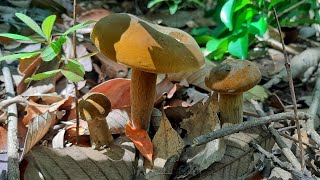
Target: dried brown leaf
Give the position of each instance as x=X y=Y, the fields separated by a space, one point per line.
x=168 y=146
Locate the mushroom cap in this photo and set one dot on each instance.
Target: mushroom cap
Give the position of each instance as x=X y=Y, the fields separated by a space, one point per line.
x=129 y=40
x=233 y=77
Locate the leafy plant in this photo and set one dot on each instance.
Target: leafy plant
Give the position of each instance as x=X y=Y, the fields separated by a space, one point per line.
x=175 y=5
x=72 y=69
x=239 y=21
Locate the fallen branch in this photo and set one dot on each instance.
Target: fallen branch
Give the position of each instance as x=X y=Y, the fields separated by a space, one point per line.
x=283 y=146
x=12 y=138
x=283 y=165
x=246 y=125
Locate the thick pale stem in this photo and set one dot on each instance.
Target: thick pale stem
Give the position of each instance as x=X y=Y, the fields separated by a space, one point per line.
x=231 y=108
x=143 y=91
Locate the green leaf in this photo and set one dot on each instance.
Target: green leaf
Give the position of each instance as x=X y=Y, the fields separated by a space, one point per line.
x=244 y=17
x=72 y=76
x=203 y=39
x=241 y=3
x=239 y=47
x=259 y=27
x=76 y=27
x=274 y=3
x=31 y=23
x=75 y=67
x=173 y=8
x=43 y=75
x=53 y=49
x=154 y=2
x=218 y=48
x=19 y=37
x=226 y=14
x=256 y=93
x=20 y=55
x=47 y=26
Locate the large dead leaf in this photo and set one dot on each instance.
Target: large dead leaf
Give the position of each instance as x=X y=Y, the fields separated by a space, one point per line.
x=168 y=146
x=117 y=120
x=239 y=158
x=117 y=90
x=203 y=120
x=116 y=162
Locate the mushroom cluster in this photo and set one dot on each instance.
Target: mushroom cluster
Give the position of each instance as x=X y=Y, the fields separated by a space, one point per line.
x=148 y=49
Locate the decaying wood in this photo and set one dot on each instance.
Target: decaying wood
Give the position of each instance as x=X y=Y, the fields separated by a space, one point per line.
x=248 y=124
x=12 y=121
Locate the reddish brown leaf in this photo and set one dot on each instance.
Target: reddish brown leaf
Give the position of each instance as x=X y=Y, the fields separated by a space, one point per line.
x=141 y=140
x=117 y=90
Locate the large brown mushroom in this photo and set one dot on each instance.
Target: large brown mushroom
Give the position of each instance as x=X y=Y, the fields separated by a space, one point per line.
x=148 y=49
x=230 y=79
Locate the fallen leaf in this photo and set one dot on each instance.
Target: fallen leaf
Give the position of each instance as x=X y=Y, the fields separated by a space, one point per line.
x=94 y=15
x=195 y=78
x=203 y=120
x=168 y=146
x=108 y=67
x=117 y=90
x=141 y=140
x=256 y=93
x=117 y=120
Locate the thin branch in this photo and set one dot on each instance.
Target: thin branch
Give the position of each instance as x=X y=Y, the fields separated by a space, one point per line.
x=12 y=138
x=291 y=8
x=246 y=125
x=75 y=56
x=283 y=165
x=293 y=95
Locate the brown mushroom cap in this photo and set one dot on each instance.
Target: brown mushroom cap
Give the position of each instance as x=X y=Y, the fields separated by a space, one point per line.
x=233 y=76
x=139 y=44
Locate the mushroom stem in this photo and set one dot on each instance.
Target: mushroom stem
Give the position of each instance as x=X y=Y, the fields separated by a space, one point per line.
x=143 y=91
x=231 y=108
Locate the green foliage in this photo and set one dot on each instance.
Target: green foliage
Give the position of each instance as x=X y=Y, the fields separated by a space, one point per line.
x=73 y=70
x=175 y=5
x=239 y=21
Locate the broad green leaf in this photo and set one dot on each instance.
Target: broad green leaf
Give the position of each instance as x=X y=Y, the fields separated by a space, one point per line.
x=19 y=37
x=72 y=76
x=31 y=23
x=43 y=75
x=241 y=3
x=260 y=26
x=244 y=17
x=47 y=26
x=213 y=44
x=53 y=49
x=219 y=49
x=75 y=67
x=256 y=93
x=226 y=14
x=154 y=2
x=76 y=27
x=203 y=39
x=20 y=55
x=239 y=47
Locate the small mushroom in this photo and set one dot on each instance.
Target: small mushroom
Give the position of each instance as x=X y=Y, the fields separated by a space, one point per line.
x=94 y=108
x=230 y=79
x=148 y=49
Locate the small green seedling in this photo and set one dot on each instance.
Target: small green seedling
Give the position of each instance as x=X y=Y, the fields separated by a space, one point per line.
x=72 y=69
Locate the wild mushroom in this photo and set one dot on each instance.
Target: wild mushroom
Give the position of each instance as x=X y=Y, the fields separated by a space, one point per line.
x=94 y=108
x=230 y=79
x=148 y=49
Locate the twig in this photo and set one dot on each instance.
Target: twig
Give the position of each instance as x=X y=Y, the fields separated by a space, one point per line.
x=283 y=146
x=75 y=56
x=293 y=96
x=292 y=7
x=283 y=165
x=313 y=112
x=245 y=125
x=296 y=140
x=12 y=139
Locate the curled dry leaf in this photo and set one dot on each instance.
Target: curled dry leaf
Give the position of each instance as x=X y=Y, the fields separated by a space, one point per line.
x=203 y=120
x=117 y=120
x=168 y=146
